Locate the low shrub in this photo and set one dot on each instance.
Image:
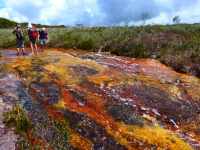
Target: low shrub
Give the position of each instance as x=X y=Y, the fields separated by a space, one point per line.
x=55 y=133
x=52 y=134
x=17 y=118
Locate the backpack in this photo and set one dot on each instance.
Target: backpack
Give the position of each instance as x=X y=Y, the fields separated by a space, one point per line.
x=19 y=34
x=44 y=32
x=33 y=32
x=43 y=35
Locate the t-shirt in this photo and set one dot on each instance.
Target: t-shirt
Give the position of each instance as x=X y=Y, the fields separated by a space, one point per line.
x=43 y=34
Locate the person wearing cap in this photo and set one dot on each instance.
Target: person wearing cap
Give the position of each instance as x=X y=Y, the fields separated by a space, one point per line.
x=19 y=39
x=44 y=39
x=32 y=40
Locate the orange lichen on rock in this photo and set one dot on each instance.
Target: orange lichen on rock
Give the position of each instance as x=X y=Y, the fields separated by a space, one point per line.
x=80 y=142
x=140 y=103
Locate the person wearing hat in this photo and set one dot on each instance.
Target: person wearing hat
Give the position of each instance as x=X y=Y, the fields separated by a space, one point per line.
x=44 y=39
x=19 y=39
x=32 y=40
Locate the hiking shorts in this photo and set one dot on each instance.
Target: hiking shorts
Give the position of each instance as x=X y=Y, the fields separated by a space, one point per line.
x=33 y=40
x=43 y=41
x=20 y=43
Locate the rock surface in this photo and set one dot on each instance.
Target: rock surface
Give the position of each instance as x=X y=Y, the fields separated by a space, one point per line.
x=7 y=137
x=113 y=102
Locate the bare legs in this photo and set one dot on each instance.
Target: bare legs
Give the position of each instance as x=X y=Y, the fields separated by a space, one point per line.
x=31 y=44
x=22 y=51
x=36 y=48
x=45 y=47
x=41 y=47
x=17 y=50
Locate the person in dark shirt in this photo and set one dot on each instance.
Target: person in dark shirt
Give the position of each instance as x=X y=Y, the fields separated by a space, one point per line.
x=19 y=39
x=44 y=39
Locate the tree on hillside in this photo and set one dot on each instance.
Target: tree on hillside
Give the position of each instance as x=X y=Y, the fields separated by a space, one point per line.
x=144 y=18
x=176 y=19
x=5 y=23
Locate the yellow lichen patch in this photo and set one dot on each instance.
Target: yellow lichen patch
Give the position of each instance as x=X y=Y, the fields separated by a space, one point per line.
x=45 y=79
x=192 y=84
x=60 y=104
x=80 y=142
x=72 y=70
x=61 y=72
x=154 y=135
x=31 y=74
x=19 y=61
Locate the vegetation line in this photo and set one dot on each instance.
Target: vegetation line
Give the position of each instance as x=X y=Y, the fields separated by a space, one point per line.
x=175 y=45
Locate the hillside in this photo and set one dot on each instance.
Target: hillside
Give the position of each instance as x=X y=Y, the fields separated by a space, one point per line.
x=7 y=24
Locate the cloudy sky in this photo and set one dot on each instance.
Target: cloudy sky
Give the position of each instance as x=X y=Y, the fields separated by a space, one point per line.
x=100 y=12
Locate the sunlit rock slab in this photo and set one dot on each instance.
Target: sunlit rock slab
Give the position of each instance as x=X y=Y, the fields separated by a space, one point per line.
x=134 y=102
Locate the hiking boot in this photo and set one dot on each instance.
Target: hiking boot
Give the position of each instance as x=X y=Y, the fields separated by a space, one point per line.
x=17 y=54
x=24 y=54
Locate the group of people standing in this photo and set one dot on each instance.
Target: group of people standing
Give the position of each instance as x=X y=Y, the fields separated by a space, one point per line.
x=34 y=34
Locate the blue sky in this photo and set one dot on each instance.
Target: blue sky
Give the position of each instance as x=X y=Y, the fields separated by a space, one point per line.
x=2 y=5
x=100 y=12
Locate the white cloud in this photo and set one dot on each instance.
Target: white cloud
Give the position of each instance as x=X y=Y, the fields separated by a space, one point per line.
x=7 y=13
x=100 y=12
x=161 y=19
x=190 y=14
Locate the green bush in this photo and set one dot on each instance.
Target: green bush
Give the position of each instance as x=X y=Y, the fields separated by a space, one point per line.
x=68 y=44
x=86 y=44
x=107 y=47
x=140 y=50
